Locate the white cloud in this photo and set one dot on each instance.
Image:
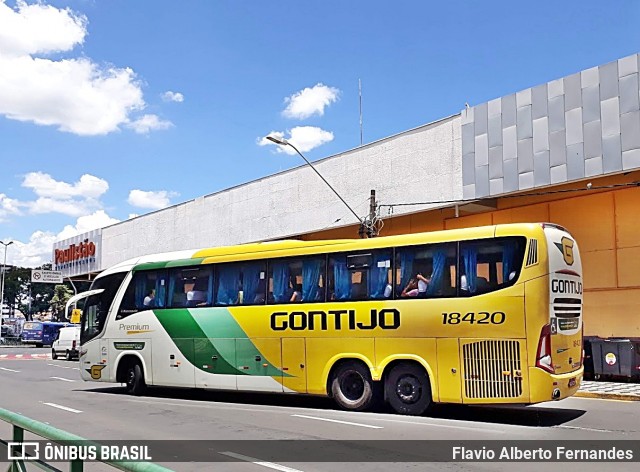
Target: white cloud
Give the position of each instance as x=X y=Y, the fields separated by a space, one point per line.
x=55 y=196
x=38 y=250
x=9 y=206
x=149 y=123
x=74 y=94
x=310 y=101
x=170 y=96
x=96 y=220
x=39 y=28
x=305 y=138
x=154 y=200
x=44 y=185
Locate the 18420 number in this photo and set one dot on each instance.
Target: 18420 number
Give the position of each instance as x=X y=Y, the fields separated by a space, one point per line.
x=481 y=317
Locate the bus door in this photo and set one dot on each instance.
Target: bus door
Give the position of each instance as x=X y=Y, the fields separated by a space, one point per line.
x=294 y=368
x=172 y=363
x=449 y=372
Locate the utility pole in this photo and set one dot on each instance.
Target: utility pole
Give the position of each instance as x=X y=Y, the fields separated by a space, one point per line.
x=368 y=228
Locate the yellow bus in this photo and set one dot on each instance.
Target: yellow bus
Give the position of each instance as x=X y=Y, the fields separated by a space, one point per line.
x=487 y=315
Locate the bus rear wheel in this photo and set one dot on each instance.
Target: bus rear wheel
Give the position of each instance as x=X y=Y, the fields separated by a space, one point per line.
x=352 y=387
x=408 y=390
x=134 y=380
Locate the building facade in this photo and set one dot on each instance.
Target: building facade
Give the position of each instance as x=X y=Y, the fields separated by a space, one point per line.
x=566 y=152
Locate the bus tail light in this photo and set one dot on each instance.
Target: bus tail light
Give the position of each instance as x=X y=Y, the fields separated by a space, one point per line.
x=543 y=356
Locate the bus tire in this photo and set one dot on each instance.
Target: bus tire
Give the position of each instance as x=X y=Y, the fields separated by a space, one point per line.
x=352 y=387
x=408 y=390
x=134 y=380
x=54 y=356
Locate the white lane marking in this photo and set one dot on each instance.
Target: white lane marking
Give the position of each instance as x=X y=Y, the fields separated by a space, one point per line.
x=18 y=356
x=338 y=421
x=253 y=460
x=66 y=408
x=3 y=355
x=8 y=370
x=62 y=366
x=585 y=429
x=62 y=378
x=441 y=425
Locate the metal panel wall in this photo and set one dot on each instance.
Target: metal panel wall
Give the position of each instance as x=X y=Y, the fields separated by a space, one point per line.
x=584 y=125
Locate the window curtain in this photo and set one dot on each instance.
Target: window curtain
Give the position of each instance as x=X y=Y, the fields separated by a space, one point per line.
x=311 y=271
x=228 y=283
x=437 y=276
x=172 y=289
x=140 y=289
x=406 y=268
x=379 y=275
x=210 y=289
x=341 y=279
x=281 y=279
x=250 y=282
x=470 y=261
x=508 y=253
x=161 y=290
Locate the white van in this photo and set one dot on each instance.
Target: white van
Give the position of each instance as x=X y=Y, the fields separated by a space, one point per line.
x=67 y=343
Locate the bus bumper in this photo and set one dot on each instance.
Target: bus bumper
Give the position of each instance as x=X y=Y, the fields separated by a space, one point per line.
x=546 y=387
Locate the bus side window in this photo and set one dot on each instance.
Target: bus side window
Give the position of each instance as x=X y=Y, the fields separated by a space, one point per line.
x=145 y=291
x=190 y=287
x=425 y=271
x=491 y=264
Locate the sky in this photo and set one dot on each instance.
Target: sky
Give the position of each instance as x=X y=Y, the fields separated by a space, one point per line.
x=113 y=109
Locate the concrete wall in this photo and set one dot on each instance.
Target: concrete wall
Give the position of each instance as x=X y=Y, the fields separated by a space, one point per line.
x=418 y=165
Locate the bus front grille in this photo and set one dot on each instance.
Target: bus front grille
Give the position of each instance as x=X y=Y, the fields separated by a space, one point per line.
x=492 y=369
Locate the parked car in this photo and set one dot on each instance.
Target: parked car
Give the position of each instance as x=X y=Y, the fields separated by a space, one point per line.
x=67 y=343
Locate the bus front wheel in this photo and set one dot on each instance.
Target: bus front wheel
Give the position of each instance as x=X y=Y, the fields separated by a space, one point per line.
x=352 y=386
x=408 y=390
x=135 y=383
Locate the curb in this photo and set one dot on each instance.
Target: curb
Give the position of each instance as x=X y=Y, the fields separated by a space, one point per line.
x=608 y=396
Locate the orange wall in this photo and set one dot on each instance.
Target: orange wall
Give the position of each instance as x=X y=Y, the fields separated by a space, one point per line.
x=605 y=223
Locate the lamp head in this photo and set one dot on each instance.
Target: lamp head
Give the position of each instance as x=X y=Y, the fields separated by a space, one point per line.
x=281 y=141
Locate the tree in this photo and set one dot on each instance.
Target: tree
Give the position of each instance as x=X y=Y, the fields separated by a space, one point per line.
x=61 y=295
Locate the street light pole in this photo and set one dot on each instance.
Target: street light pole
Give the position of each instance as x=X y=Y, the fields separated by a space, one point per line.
x=284 y=142
x=4 y=269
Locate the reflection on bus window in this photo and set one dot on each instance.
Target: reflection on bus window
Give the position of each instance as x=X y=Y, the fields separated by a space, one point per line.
x=96 y=308
x=425 y=271
x=146 y=291
x=489 y=265
x=190 y=287
x=365 y=276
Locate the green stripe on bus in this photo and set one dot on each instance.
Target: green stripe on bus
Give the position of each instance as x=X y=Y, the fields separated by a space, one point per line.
x=214 y=333
x=219 y=323
x=168 y=264
x=188 y=335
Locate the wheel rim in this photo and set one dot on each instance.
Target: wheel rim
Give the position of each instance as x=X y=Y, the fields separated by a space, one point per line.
x=408 y=389
x=352 y=385
x=131 y=378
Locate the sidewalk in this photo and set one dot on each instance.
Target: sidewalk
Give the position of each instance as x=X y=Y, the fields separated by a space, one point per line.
x=609 y=390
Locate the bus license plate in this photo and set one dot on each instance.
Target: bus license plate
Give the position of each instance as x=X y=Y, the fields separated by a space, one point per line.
x=572 y=382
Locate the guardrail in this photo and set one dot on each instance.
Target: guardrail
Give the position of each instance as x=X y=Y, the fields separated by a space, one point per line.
x=22 y=423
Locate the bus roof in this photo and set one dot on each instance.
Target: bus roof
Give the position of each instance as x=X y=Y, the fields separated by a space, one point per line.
x=284 y=248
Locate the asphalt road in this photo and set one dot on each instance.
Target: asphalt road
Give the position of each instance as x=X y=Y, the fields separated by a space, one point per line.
x=52 y=392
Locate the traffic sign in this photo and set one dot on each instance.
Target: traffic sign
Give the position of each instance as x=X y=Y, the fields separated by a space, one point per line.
x=46 y=276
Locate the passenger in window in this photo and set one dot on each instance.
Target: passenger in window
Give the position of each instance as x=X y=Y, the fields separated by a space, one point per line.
x=411 y=290
x=149 y=299
x=423 y=284
x=296 y=296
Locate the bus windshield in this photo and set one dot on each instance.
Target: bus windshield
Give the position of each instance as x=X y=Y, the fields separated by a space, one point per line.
x=97 y=306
